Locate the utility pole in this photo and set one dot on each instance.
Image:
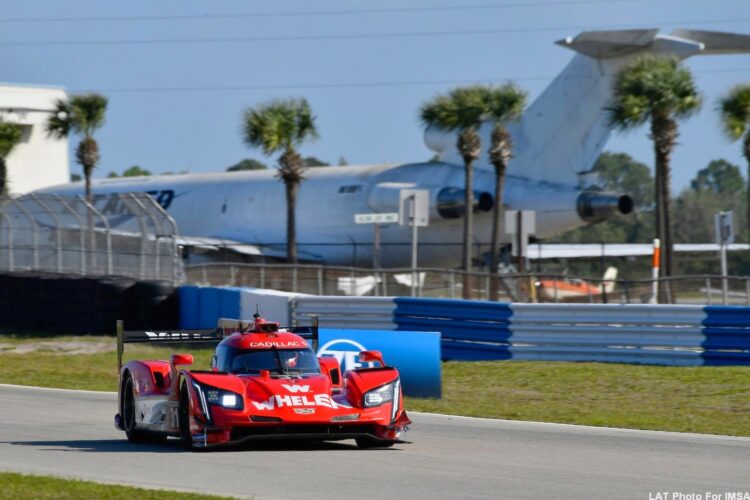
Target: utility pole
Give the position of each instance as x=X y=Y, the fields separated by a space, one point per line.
x=414 y=210
x=724 y=222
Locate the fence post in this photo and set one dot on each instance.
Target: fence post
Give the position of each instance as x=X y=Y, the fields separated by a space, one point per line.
x=452 y=278
x=9 y=232
x=554 y=283
x=708 y=290
x=58 y=239
x=107 y=228
x=294 y=278
x=747 y=290
x=82 y=230
x=34 y=230
x=157 y=232
x=320 y=279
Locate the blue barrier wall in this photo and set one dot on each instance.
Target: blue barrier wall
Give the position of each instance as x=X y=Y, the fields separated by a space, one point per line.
x=727 y=335
x=647 y=334
x=459 y=321
x=482 y=330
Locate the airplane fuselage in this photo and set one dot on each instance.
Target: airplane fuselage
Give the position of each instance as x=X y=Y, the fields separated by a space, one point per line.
x=250 y=207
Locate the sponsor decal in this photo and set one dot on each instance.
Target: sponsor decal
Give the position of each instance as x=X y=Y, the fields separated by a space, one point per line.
x=304 y=411
x=296 y=388
x=270 y=343
x=309 y=401
x=178 y=336
x=346 y=353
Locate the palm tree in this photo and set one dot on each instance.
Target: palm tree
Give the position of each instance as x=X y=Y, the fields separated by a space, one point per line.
x=504 y=104
x=10 y=135
x=282 y=126
x=735 y=114
x=660 y=91
x=462 y=109
x=83 y=115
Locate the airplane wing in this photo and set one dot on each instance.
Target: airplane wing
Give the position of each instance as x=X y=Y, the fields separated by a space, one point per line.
x=540 y=251
x=211 y=245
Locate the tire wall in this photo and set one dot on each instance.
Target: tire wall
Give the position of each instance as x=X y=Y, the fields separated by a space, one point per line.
x=73 y=304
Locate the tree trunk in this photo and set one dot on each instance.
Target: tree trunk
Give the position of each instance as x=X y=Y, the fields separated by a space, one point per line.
x=291 y=221
x=291 y=170
x=3 y=177
x=664 y=134
x=500 y=154
x=468 y=146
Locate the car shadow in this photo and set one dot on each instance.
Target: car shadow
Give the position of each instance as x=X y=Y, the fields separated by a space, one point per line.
x=103 y=446
x=174 y=446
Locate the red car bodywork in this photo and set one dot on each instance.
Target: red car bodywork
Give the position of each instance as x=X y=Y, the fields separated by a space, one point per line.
x=210 y=408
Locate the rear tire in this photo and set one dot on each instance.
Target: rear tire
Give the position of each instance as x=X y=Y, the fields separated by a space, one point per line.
x=366 y=443
x=128 y=417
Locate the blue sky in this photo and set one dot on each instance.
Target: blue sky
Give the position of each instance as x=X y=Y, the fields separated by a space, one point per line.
x=364 y=90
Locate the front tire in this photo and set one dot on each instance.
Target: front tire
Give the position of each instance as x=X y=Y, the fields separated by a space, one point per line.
x=184 y=417
x=128 y=417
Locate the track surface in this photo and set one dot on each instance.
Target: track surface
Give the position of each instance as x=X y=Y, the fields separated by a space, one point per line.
x=70 y=433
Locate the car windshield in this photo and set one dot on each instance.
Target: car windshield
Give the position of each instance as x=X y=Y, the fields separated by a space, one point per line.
x=280 y=361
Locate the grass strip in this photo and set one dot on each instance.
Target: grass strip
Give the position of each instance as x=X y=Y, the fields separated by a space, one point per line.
x=46 y=487
x=705 y=399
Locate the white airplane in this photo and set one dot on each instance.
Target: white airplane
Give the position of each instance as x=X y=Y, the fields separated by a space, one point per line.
x=557 y=140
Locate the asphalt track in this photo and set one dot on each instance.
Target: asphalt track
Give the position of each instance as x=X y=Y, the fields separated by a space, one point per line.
x=70 y=433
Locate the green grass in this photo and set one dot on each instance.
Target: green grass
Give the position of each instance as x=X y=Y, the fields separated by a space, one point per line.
x=44 y=487
x=713 y=400
x=94 y=372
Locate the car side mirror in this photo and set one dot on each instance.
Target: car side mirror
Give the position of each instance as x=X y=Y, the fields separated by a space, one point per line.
x=181 y=359
x=371 y=357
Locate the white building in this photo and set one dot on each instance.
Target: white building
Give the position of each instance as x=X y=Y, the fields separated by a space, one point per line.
x=38 y=160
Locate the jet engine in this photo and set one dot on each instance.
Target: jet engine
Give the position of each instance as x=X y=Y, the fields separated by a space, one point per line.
x=450 y=202
x=597 y=206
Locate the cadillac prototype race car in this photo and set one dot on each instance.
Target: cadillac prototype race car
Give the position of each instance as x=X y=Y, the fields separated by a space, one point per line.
x=264 y=382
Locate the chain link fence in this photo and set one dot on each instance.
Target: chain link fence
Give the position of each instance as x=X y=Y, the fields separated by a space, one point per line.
x=446 y=283
x=126 y=234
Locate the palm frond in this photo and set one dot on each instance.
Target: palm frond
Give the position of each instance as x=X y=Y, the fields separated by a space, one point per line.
x=279 y=125
x=735 y=111
x=650 y=86
x=87 y=112
x=506 y=103
x=10 y=135
x=58 y=123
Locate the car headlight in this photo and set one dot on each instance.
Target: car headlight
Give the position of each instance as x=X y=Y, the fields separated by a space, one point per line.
x=377 y=397
x=220 y=397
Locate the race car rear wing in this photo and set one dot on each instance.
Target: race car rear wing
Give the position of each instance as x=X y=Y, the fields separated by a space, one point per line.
x=205 y=337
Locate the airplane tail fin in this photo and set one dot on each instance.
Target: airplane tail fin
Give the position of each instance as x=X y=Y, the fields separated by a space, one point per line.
x=608 y=280
x=564 y=130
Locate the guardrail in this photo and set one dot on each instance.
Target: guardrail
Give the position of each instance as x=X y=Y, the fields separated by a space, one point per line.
x=688 y=335
x=626 y=333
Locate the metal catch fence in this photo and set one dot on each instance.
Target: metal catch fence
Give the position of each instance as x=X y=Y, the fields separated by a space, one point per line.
x=125 y=234
x=447 y=283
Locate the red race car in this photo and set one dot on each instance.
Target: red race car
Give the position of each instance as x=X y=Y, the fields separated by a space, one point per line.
x=264 y=382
